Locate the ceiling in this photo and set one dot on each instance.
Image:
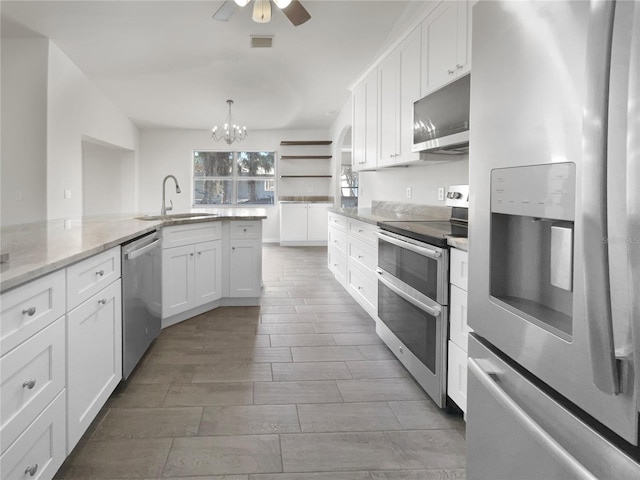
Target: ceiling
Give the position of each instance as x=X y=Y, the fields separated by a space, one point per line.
x=168 y=64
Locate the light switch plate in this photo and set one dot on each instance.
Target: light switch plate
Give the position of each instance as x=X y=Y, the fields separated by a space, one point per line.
x=408 y=192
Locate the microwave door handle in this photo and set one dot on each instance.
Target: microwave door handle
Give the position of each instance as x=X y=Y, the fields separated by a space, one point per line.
x=594 y=201
x=427 y=252
x=633 y=180
x=433 y=311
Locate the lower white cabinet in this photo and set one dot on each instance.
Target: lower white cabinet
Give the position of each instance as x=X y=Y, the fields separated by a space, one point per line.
x=94 y=355
x=191 y=276
x=245 y=258
x=303 y=223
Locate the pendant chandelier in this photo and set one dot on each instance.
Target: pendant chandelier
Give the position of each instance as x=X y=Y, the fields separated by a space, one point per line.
x=232 y=132
x=262 y=8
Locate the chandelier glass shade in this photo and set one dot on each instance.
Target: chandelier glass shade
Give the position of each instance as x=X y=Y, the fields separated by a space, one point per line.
x=231 y=132
x=262 y=8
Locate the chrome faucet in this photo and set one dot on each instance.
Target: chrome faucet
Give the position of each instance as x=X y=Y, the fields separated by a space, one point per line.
x=165 y=209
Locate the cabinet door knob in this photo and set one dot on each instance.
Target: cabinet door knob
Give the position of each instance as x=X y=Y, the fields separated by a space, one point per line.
x=233 y=248
x=31 y=470
x=191 y=254
x=450 y=72
x=244 y=230
x=459 y=67
x=31 y=311
x=199 y=253
x=102 y=301
x=100 y=273
x=29 y=384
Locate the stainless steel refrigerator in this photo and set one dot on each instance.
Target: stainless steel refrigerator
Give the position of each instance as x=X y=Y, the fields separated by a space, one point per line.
x=554 y=241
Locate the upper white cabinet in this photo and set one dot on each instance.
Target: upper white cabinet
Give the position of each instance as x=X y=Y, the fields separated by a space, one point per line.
x=365 y=123
x=399 y=87
x=446 y=44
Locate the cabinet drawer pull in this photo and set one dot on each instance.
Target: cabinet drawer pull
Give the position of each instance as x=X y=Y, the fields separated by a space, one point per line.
x=102 y=301
x=29 y=384
x=31 y=311
x=244 y=230
x=31 y=471
x=100 y=273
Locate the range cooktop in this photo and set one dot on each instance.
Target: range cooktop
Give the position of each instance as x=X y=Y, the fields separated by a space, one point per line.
x=432 y=232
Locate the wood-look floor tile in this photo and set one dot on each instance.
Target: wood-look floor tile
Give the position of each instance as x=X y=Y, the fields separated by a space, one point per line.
x=313 y=476
x=358 y=338
x=249 y=420
x=343 y=317
x=286 y=372
x=121 y=459
x=376 y=352
x=318 y=452
x=232 y=372
x=377 y=369
x=139 y=395
x=380 y=390
x=159 y=373
x=329 y=301
x=326 y=354
x=285 y=328
x=345 y=327
x=284 y=393
x=217 y=340
x=224 y=455
x=272 y=309
x=302 y=340
x=347 y=417
x=291 y=317
x=423 y=415
x=439 y=474
x=255 y=355
x=231 y=324
x=209 y=394
x=282 y=301
x=328 y=308
x=428 y=449
x=148 y=423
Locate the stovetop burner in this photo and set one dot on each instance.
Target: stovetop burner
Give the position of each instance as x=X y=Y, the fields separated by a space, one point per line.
x=433 y=232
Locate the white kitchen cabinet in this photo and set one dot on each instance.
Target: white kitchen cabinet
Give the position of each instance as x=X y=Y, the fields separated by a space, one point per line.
x=337 y=247
x=399 y=87
x=178 y=280
x=446 y=44
x=245 y=259
x=94 y=356
x=458 y=328
x=303 y=223
x=208 y=268
x=365 y=123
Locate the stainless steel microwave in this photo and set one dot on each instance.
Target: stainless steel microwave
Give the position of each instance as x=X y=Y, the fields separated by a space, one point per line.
x=441 y=119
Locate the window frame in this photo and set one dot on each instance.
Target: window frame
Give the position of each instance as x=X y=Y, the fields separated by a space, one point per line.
x=235 y=178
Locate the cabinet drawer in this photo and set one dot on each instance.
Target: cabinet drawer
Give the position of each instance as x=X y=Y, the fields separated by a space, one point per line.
x=31 y=307
x=338 y=221
x=363 y=254
x=364 y=232
x=179 y=235
x=364 y=288
x=337 y=261
x=88 y=277
x=245 y=229
x=458 y=329
x=457 y=376
x=41 y=448
x=338 y=239
x=459 y=272
x=32 y=375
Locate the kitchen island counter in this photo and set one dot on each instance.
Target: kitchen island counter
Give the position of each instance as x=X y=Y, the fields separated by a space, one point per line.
x=38 y=248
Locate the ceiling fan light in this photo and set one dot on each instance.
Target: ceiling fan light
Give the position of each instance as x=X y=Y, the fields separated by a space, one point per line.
x=241 y=3
x=262 y=11
x=282 y=3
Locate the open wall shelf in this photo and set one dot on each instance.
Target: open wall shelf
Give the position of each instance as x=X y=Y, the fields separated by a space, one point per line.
x=306 y=176
x=305 y=157
x=291 y=143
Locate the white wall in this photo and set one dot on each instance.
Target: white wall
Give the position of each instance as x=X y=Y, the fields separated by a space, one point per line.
x=76 y=110
x=24 y=130
x=108 y=179
x=164 y=152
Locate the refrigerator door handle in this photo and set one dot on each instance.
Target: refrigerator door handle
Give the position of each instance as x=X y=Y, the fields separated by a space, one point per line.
x=633 y=180
x=594 y=200
x=561 y=455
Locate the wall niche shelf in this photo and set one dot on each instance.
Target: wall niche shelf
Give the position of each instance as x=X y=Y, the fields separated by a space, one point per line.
x=305 y=157
x=291 y=143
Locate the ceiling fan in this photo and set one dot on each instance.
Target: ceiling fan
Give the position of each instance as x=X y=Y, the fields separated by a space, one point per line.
x=293 y=9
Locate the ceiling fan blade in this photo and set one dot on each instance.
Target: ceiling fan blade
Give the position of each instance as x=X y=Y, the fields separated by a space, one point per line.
x=226 y=10
x=296 y=13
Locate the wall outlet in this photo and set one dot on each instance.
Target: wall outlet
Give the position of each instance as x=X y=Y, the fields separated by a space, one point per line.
x=309 y=189
x=441 y=193
x=408 y=192
x=67 y=194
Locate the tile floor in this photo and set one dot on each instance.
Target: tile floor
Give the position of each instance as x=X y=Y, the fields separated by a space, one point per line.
x=300 y=388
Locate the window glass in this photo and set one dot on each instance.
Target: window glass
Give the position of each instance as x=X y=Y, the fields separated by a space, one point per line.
x=256 y=164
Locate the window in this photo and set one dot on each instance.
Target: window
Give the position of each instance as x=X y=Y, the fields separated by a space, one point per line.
x=228 y=178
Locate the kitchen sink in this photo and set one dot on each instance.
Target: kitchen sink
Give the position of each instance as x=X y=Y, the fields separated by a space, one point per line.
x=176 y=216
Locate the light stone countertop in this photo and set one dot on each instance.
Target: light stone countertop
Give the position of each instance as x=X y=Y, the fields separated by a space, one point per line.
x=36 y=249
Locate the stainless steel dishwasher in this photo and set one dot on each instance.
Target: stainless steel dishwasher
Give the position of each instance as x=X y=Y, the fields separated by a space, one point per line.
x=141 y=298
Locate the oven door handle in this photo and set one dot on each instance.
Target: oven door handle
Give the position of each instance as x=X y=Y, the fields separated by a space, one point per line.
x=427 y=252
x=433 y=311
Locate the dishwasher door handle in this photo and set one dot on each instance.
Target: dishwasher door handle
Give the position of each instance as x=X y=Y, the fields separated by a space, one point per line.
x=141 y=251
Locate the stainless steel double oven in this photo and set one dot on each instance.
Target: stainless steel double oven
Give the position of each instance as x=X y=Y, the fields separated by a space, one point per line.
x=413 y=282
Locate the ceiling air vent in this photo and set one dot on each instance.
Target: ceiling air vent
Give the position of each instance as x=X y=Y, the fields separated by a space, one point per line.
x=261 y=41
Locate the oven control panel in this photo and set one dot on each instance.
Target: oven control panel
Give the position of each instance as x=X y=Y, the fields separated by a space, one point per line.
x=458 y=196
